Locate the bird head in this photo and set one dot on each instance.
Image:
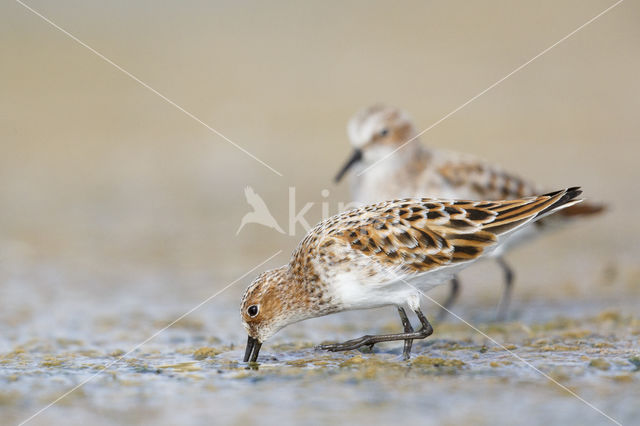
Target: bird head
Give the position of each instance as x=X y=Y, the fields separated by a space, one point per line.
x=271 y=302
x=375 y=133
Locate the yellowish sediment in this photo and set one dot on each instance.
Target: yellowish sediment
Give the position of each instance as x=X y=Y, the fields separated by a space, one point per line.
x=181 y=366
x=206 y=352
x=600 y=364
x=52 y=361
x=426 y=361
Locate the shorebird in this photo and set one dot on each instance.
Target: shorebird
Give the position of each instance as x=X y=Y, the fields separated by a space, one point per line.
x=385 y=254
x=388 y=162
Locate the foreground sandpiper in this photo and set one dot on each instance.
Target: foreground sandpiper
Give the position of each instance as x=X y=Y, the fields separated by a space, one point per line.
x=388 y=162
x=385 y=254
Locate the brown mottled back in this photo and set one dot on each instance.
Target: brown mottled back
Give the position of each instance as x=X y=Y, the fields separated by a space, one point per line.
x=417 y=235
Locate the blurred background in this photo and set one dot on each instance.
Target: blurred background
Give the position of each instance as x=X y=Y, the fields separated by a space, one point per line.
x=119 y=212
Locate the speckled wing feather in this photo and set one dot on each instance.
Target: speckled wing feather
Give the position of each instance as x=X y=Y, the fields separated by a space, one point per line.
x=418 y=235
x=488 y=182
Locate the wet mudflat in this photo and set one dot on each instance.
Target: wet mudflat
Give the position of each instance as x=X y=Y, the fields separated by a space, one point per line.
x=191 y=374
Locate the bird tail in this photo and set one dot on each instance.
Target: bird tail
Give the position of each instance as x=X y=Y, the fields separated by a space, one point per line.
x=584 y=209
x=566 y=199
x=568 y=213
x=516 y=213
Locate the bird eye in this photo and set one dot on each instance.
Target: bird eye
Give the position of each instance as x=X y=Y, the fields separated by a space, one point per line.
x=384 y=132
x=252 y=310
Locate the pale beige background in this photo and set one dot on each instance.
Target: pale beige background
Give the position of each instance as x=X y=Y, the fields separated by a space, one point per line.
x=96 y=166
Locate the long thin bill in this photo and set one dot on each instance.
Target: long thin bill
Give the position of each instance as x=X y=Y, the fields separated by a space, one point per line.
x=256 y=350
x=355 y=157
x=252 y=350
x=247 y=352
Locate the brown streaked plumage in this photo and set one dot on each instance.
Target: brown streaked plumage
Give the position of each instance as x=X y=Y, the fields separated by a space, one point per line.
x=385 y=166
x=385 y=254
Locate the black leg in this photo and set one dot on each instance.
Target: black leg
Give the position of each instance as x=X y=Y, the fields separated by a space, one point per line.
x=453 y=296
x=508 y=287
x=406 y=352
x=426 y=325
x=425 y=331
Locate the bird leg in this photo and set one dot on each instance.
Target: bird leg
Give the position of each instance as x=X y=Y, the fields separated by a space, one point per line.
x=453 y=296
x=406 y=352
x=508 y=287
x=369 y=340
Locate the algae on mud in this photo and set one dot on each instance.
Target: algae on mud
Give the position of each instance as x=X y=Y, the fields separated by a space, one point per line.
x=595 y=354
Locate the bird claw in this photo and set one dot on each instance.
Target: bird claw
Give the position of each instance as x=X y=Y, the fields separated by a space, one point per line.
x=330 y=348
x=348 y=345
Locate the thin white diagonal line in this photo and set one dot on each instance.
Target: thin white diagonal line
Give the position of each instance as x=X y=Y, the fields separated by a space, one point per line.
x=142 y=83
x=490 y=87
x=154 y=335
x=518 y=357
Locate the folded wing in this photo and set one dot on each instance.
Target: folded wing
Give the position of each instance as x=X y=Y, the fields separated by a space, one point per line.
x=418 y=235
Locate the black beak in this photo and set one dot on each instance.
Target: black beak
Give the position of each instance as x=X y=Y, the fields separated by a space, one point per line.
x=253 y=348
x=355 y=157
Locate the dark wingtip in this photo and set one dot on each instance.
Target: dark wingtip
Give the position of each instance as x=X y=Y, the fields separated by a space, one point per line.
x=571 y=193
x=568 y=195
